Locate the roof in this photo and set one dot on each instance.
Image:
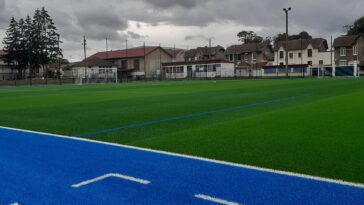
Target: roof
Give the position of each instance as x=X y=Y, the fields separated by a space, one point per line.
x=246 y=48
x=345 y=41
x=94 y=61
x=196 y=62
x=2 y=53
x=294 y=45
x=206 y=51
x=127 y=53
x=173 y=52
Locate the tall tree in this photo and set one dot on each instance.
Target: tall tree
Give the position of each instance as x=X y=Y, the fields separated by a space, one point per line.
x=356 y=28
x=32 y=43
x=249 y=37
x=11 y=42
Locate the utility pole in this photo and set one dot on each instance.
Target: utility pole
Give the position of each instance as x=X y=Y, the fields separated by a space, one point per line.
x=286 y=10
x=84 y=52
x=107 y=48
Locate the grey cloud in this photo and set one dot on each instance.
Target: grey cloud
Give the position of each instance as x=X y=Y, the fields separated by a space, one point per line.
x=135 y=36
x=198 y=37
x=174 y=3
x=98 y=19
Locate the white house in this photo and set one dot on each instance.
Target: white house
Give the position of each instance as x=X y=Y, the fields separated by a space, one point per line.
x=6 y=73
x=199 y=69
x=312 y=52
x=95 y=69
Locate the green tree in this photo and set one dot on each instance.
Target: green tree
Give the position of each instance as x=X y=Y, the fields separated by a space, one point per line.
x=11 y=42
x=302 y=35
x=356 y=28
x=249 y=37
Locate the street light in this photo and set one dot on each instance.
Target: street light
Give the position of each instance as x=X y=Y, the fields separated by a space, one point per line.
x=286 y=10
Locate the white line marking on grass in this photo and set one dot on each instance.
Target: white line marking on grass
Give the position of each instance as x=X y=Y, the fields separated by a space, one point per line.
x=216 y=200
x=120 y=176
x=304 y=176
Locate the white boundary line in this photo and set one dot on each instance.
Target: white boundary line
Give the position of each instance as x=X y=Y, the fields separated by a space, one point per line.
x=304 y=176
x=215 y=200
x=120 y=176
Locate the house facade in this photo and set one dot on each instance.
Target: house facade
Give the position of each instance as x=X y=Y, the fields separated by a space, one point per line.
x=250 y=56
x=95 y=69
x=205 y=53
x=137 y=62
x=349 y=51
x=198 y=69
x=313 y=52
x=6 y=73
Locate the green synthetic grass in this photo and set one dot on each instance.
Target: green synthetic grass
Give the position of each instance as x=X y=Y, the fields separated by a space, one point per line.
x=320 y=134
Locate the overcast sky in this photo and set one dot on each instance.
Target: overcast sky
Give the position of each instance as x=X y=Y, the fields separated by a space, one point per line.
x=184 y=23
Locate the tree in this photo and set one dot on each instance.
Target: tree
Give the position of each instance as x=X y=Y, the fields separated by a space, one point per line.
x=11 y=41
x=32 y=43
x=249 y=37
x=302 y=35
x=357 y=27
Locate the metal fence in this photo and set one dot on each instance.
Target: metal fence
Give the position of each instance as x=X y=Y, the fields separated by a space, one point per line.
x=12 y=80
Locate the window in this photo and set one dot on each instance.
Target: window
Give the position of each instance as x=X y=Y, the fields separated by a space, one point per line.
x=281 y=64
x=231 y=57
x=290 y=55
x=309 y=53
x=299 y=55
x=309 y=63
x=124 y=64
x=136 y=64
x=246 y=57
x=254 y=57
x=355 y=50
x=281 y=54
x=342 y=51
x=343 y=63
x=321 y=62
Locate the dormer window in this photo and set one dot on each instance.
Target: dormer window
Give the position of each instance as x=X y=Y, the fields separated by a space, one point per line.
x=342 y=51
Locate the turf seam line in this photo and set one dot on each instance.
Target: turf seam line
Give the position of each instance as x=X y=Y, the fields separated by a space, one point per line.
x=182 y=117
x=231 y=164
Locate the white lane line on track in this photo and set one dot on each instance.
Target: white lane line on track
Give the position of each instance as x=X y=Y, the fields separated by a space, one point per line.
x=216 y=200
x=111 y=175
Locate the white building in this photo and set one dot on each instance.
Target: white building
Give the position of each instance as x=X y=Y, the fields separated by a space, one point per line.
x=6 y=73
x=96 y=69
x=311 y=52
x=199 y=69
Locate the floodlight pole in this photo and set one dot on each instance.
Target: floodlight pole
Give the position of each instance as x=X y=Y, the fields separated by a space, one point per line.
x=84 y=52
x=286 y=10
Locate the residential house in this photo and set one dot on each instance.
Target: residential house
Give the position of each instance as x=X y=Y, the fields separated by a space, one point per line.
x=177 y=54
x=205 y=53
x=313 y=52
x=249 y=58
x=137 y=62
x=95 y=68
x=349 y=50
x=199 y=69
x=6 y=73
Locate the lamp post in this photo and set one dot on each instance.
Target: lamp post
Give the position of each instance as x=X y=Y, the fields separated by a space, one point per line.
x=286 y=10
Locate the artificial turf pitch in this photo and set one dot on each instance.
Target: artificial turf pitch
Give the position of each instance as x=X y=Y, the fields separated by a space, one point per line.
x=311 y=126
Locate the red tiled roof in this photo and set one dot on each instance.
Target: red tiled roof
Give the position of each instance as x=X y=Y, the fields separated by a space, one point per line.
x=94 y=61
x=128 y=53
x=195 y=62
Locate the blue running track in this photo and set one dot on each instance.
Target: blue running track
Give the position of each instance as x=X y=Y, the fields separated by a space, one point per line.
x=37 y=169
